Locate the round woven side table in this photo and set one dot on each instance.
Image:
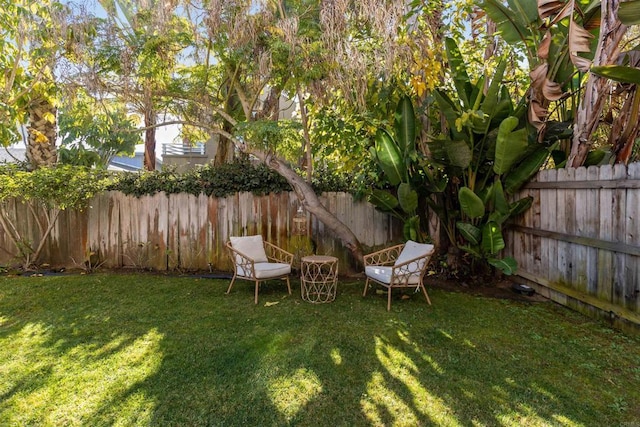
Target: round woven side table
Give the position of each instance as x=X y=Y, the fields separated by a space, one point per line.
x=319 y=278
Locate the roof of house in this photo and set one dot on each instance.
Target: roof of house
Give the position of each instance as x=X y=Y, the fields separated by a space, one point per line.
x=131 y=164
x=12 y=154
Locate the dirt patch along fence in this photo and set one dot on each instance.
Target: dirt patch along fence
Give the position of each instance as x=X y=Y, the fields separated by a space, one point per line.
x=580 y=242
x=186 y=232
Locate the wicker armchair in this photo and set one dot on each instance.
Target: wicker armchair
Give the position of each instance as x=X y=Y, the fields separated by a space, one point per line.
x=399 y=266
x=256 y=260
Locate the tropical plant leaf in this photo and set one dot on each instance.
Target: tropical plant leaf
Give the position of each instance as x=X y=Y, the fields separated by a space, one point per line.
x=579 y=41
x=520 y=206
x=547 y=8
x=512 y=23
x=459 y=71
x=618 y=73
x=470 y=203
x=629 y=12
x=537 y=113
x=411 y=229
x=448 y=108
x=510 y=146
x=458 y=153
x=594 y=157
x=405 y=126
x=525 y=170
x=471 y=250
x=582 y=64
x=492 y=240
x=552 y=90
x=566 y=10
x=507 y=265
x=500 y=203
x=539 y=74
x=389 y=157
x=470 y=232
x=407 y=197
x=545 y=45
x=492 y=97
x=383 y=200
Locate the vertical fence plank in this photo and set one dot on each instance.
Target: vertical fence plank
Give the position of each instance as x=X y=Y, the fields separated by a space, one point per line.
x=631 y=289
x=592 y=230
x=564 y=274
x=580 y=229
x=607 y=208
x=619 y=227
x=549 y=251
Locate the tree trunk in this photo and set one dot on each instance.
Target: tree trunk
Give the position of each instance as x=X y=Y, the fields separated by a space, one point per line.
x=308 y=158
x=150 y=139
x=596 y=90
x=311 y=203
x=41 y=143
x=626 y=126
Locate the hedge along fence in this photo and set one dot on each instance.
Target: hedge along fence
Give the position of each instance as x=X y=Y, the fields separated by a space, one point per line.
x=579 y=244
x=186 y=232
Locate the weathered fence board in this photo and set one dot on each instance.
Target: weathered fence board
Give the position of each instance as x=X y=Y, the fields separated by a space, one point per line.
x=589 y=233
x=181 y=231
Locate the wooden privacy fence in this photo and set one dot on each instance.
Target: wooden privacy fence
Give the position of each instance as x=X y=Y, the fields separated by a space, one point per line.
x=580 y=242
x=181 y=231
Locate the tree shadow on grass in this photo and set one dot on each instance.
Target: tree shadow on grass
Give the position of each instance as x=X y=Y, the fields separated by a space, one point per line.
x=170 y=351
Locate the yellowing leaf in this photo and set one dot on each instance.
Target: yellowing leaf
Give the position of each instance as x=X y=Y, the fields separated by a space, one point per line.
x=48 y=116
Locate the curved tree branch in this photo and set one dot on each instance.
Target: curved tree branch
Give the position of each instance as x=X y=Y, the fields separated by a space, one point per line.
x=311 y=202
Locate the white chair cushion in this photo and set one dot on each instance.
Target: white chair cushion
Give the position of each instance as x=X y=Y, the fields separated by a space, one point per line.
x=413 y=250
x=266 y=270
x=383 y=274
x=251 y=246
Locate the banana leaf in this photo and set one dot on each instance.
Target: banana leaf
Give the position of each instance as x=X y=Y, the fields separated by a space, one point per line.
x=405 y=126
x=500 y=207
x=594 y=157
x=459 y=72
x=493 y=94
x=525 y=170
x=492 y=240
x=470 y=232
x=383 y=200
x=512 y=24
x=411 y=229
x=459 y=154
x=450 y=112
x=407 y=197
x=507 y=265
x=629 y=12
x=389 y=157
x=510 y=145
x=619 y=73
x=520 y=206
x=471 y=250
x=471 y=204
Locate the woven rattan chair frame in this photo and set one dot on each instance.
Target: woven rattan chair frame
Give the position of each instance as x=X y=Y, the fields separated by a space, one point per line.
x=401 y=274
x=242 y=262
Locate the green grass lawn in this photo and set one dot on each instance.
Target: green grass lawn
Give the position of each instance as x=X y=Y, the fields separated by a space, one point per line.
x=147 y=350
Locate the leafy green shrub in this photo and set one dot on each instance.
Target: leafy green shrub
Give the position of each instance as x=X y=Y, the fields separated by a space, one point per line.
x=47 y=192
x=326 y=180
x=218 y=181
